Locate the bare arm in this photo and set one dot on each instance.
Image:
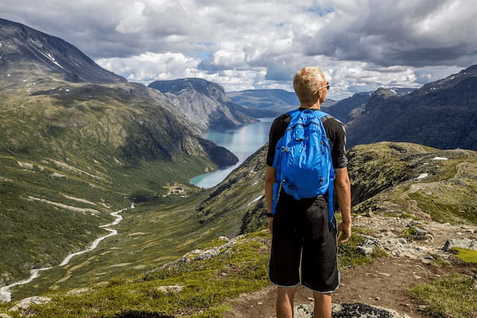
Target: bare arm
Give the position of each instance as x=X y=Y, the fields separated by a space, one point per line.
x=269 y=179
x=343 y=193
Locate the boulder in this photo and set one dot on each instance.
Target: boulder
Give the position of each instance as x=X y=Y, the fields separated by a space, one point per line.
x=25 y=303
x=173 y=289
x=421 y=234
x=78 y=291
x=368 y=246
x=461 y=243
x=350 y=310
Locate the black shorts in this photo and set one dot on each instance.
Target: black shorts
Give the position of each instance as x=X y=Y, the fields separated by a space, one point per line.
x=304 y=245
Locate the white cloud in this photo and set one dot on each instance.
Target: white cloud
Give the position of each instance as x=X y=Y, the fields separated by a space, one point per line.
x=406 y=32
x=148 y=67
x=132 y=20
x=362 y=44
x=151 y=66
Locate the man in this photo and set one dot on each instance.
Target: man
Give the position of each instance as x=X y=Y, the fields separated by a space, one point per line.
x=303 y=242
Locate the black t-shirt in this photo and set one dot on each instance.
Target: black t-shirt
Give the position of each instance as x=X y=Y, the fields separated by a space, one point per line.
x=335 y=132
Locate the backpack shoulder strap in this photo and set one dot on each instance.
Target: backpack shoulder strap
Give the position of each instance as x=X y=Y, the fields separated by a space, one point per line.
x=320 y=114
x=294 y=115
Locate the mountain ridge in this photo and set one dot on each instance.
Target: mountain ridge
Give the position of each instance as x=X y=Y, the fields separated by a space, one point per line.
x=439 y=114
x=268 y=102
x=26 y=50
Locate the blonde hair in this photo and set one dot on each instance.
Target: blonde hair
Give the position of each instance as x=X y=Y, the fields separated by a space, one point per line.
x=307 y=83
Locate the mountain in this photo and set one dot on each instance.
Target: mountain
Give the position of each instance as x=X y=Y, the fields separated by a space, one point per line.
x=77 y=143
x=30 y=54
x=268 y=102
x=238 y=200
x=350 y=107
x=440 y=114
x=203 y=103
x=276 y=101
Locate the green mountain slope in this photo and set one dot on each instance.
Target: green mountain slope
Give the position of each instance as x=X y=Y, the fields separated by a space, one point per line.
x=415 y=181
x=98 y=147
x=405 y=178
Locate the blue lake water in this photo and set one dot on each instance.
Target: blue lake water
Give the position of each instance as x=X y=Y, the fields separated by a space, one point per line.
x=242 y=141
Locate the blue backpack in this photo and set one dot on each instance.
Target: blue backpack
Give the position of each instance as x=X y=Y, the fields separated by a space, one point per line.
x=302 y=162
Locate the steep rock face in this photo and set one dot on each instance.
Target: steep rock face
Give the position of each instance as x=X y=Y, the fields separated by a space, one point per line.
x=440 y=114
x=352 y=107
x=348 y=108
x=203 y=103
x=26 y=52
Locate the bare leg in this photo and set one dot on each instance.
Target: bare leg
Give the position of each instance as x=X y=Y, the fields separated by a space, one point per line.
x=285 y=297
x=322 y=305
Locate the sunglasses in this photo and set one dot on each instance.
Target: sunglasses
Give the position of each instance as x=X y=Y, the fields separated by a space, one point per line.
x=327 y=86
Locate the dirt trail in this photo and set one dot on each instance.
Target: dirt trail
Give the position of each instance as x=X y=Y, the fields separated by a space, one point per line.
x=384 y=282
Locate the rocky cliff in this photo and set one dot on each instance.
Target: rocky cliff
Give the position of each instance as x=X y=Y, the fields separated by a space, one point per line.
x=349 y=108
x=203 y=103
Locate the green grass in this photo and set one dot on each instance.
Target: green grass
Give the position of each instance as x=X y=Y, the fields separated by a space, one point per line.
x=384 y=181
x=444 y=211
x=449 y=296
x=466 y=255
x=38 y=233
x=348 y=254
x=207 y=284
x=409 y=233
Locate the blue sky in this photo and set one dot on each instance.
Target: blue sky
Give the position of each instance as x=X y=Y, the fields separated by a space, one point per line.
x=243 y=44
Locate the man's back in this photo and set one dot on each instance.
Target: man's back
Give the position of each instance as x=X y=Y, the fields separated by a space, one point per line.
x=304 y=249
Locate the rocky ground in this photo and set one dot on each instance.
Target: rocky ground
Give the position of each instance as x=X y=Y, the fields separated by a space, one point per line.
x=418 y=251
x=426 y=241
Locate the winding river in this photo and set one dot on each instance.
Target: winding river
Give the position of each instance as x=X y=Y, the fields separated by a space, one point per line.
x=242 y=141
x=5 y=291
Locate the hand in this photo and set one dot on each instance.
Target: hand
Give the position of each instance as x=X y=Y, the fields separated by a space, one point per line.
x=345 y=232
x=270 y=224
